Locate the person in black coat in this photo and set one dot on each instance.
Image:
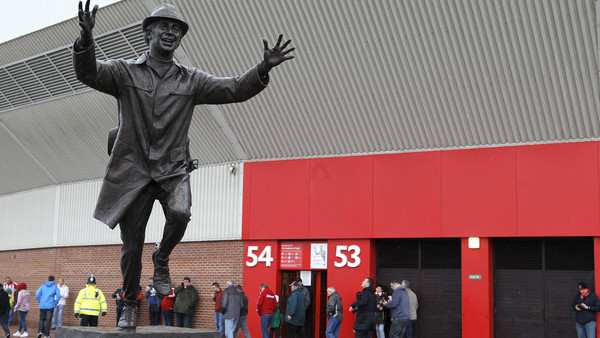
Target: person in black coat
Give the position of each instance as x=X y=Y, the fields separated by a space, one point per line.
x=364 y=307
x=585 y=305
x=4 y=308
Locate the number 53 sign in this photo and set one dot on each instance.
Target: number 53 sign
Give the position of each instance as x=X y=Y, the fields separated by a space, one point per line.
x=348 y=255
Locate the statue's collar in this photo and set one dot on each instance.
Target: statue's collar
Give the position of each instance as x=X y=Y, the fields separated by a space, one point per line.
x=144 y=58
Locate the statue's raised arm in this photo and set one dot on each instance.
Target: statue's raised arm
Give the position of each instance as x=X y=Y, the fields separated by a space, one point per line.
x=275 y=56
x=87 y=20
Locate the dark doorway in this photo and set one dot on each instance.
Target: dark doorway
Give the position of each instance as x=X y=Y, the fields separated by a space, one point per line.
x=535 y=281
x=316 y=321
x=433 y=268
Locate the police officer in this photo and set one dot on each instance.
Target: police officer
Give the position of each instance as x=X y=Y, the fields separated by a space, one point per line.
x=89 y=303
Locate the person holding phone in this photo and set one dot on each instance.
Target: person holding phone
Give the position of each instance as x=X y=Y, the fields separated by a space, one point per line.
x=585 y=304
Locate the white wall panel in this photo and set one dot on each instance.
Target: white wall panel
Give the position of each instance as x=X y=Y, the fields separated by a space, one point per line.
x=76 y=225
x=27 y=219
x=62 y=215
x=216 y=203
x=216 y=206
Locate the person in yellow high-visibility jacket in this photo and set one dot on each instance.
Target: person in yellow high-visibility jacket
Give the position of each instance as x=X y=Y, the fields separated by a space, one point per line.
x=90 y=303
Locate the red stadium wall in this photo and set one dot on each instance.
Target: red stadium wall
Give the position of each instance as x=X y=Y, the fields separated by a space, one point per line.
x=486 y=192
x=521 y=191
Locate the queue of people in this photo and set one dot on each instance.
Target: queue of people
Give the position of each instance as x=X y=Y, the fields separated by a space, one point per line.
x=373 y=310
x=231 y=308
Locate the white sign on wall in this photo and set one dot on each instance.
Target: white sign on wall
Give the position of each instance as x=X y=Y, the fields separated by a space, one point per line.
x=318 y=255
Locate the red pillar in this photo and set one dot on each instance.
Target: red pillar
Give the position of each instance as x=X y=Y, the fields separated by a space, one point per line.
x=477 y=290
x=347 y=279
x=258 y=271
x=597 y=275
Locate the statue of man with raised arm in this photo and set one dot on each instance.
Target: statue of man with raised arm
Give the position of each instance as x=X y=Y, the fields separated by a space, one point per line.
x=149 y=156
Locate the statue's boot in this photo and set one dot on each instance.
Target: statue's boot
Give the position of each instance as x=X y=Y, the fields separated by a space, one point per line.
x=162 y=279
x=128 y=318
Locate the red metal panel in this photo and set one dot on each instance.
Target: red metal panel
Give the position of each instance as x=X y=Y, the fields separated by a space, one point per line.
x=406 y=195
x=341 y=197
x=246 y=205
x=597 y=275
x=257 y=274
x=477 y=290
x=557 y=190
x=346 y=279
x=276 y=200
x=479 y=192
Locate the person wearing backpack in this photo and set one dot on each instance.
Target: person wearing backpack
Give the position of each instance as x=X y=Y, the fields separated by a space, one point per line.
x=335 y=313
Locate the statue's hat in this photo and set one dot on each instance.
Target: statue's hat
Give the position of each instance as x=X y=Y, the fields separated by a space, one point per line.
x=165 y=11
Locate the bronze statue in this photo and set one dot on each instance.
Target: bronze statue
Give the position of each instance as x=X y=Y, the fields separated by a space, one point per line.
x=149 y=155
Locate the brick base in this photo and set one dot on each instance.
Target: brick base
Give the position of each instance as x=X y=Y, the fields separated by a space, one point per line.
x=203 y=262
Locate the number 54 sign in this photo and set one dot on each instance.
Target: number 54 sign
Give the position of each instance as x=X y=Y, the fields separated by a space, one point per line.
x=264 y=257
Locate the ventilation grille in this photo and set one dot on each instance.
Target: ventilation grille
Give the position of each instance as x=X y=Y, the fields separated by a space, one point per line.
x=419 y=253
x=49 y=76
x=576 y=254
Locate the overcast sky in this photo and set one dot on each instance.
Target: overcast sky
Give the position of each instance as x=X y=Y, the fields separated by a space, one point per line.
x=21 y=17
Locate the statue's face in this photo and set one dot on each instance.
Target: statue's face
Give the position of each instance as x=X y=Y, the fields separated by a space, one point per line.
x=164 y=36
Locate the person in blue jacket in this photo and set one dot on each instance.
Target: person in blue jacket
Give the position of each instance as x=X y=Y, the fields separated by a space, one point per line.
x=48 y=296
x=400 y=313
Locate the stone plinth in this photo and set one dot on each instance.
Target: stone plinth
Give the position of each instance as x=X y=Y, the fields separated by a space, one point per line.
x=157 y=331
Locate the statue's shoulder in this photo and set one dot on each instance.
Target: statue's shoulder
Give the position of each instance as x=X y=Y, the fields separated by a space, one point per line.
x=190 y=69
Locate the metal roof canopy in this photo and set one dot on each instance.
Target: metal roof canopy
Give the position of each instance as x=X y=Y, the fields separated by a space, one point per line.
x=368 y=77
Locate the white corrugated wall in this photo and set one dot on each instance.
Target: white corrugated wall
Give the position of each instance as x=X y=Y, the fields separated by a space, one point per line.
x=62 y=215
x=28 y=219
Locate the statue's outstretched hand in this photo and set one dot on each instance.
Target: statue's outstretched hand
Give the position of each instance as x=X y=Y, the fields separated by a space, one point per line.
x=87 y=19
x=276 y=55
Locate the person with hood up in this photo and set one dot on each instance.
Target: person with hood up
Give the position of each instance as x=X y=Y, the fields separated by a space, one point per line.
x=89 y=303
x=585 y=304
x=22 y=307
x=48 y=296
x=335 y=313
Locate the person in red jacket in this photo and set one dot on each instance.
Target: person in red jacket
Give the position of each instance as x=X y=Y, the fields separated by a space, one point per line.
x=217 y=297
x=167 y=307
x=266 y=306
